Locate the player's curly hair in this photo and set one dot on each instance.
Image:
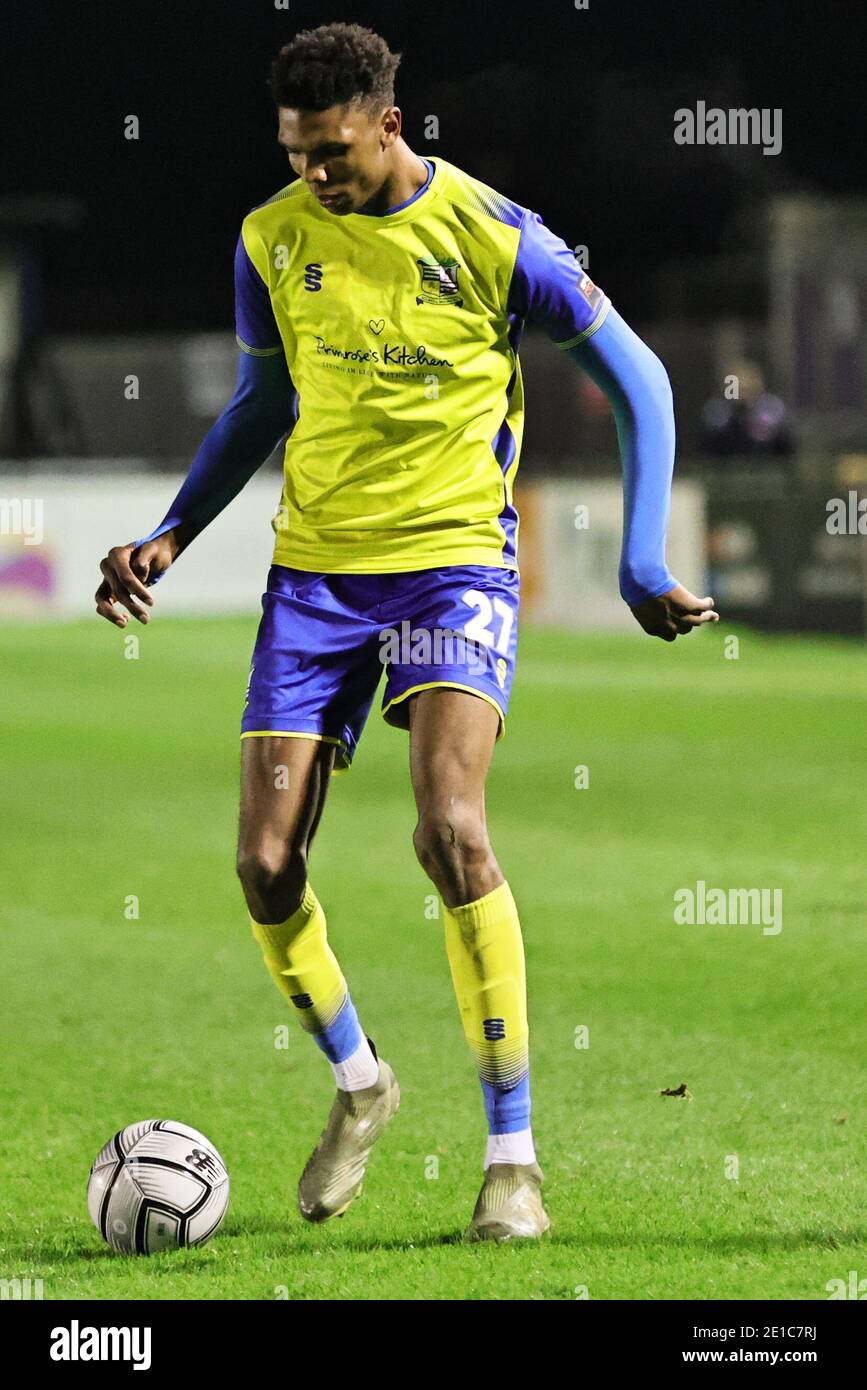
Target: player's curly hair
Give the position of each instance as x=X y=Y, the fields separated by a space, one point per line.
x=331 y=65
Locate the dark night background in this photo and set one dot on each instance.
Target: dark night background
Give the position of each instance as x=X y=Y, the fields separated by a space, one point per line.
x=569 y=112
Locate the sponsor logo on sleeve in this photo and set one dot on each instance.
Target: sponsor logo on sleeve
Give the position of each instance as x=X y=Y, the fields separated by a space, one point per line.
x=591 y=292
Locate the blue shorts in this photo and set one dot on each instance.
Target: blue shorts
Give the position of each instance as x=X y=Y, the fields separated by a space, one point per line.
x=325 y=639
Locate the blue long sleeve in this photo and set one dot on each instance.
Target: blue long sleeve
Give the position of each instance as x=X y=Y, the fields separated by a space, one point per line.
x=637 y=386
x=260 y=413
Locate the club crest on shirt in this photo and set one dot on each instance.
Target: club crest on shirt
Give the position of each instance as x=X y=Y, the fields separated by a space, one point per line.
x=439 y=281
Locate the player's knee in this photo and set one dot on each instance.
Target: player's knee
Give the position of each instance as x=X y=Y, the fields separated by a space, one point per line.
x=273 y=878
x=450 y=844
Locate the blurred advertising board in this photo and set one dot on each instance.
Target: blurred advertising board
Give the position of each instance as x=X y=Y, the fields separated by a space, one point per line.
x=779 y=558
x=569 y=550
x=790 y=557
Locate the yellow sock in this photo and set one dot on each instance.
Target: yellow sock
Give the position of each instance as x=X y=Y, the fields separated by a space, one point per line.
x=486 y=957
x=304 y=969
x=302 y=964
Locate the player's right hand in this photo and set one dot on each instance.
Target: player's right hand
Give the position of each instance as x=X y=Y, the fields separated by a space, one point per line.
x=127 y=571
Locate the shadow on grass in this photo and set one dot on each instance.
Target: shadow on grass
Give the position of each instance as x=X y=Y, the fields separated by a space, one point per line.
x=302 y=1237
x=754 y=1243
x=285 y=1239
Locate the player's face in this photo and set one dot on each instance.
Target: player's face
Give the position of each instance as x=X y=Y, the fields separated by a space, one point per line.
x=342 y=153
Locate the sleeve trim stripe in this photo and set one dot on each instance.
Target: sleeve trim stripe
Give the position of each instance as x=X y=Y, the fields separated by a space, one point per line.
x=258 y=352
x=588 y=332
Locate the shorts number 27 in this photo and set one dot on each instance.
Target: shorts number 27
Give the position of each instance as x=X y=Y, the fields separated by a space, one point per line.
x=479 y=628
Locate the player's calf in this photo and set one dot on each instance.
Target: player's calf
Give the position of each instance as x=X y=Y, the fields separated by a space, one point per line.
x=452 y=846
x=273 y=877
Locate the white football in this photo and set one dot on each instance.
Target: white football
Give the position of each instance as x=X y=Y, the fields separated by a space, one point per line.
x=157 y=1185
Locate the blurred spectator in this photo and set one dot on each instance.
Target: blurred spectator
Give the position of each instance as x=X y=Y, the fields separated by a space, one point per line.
x=747 y=420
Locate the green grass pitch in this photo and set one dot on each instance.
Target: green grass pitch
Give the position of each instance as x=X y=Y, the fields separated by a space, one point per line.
x=120 y=779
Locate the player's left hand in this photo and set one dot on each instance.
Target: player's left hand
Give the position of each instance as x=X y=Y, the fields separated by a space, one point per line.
x=674 y=614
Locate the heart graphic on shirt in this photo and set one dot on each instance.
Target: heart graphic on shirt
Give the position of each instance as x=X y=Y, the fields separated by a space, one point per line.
x=376 y=325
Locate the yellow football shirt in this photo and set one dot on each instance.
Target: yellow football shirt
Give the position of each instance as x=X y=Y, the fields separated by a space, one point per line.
x=401 y=336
